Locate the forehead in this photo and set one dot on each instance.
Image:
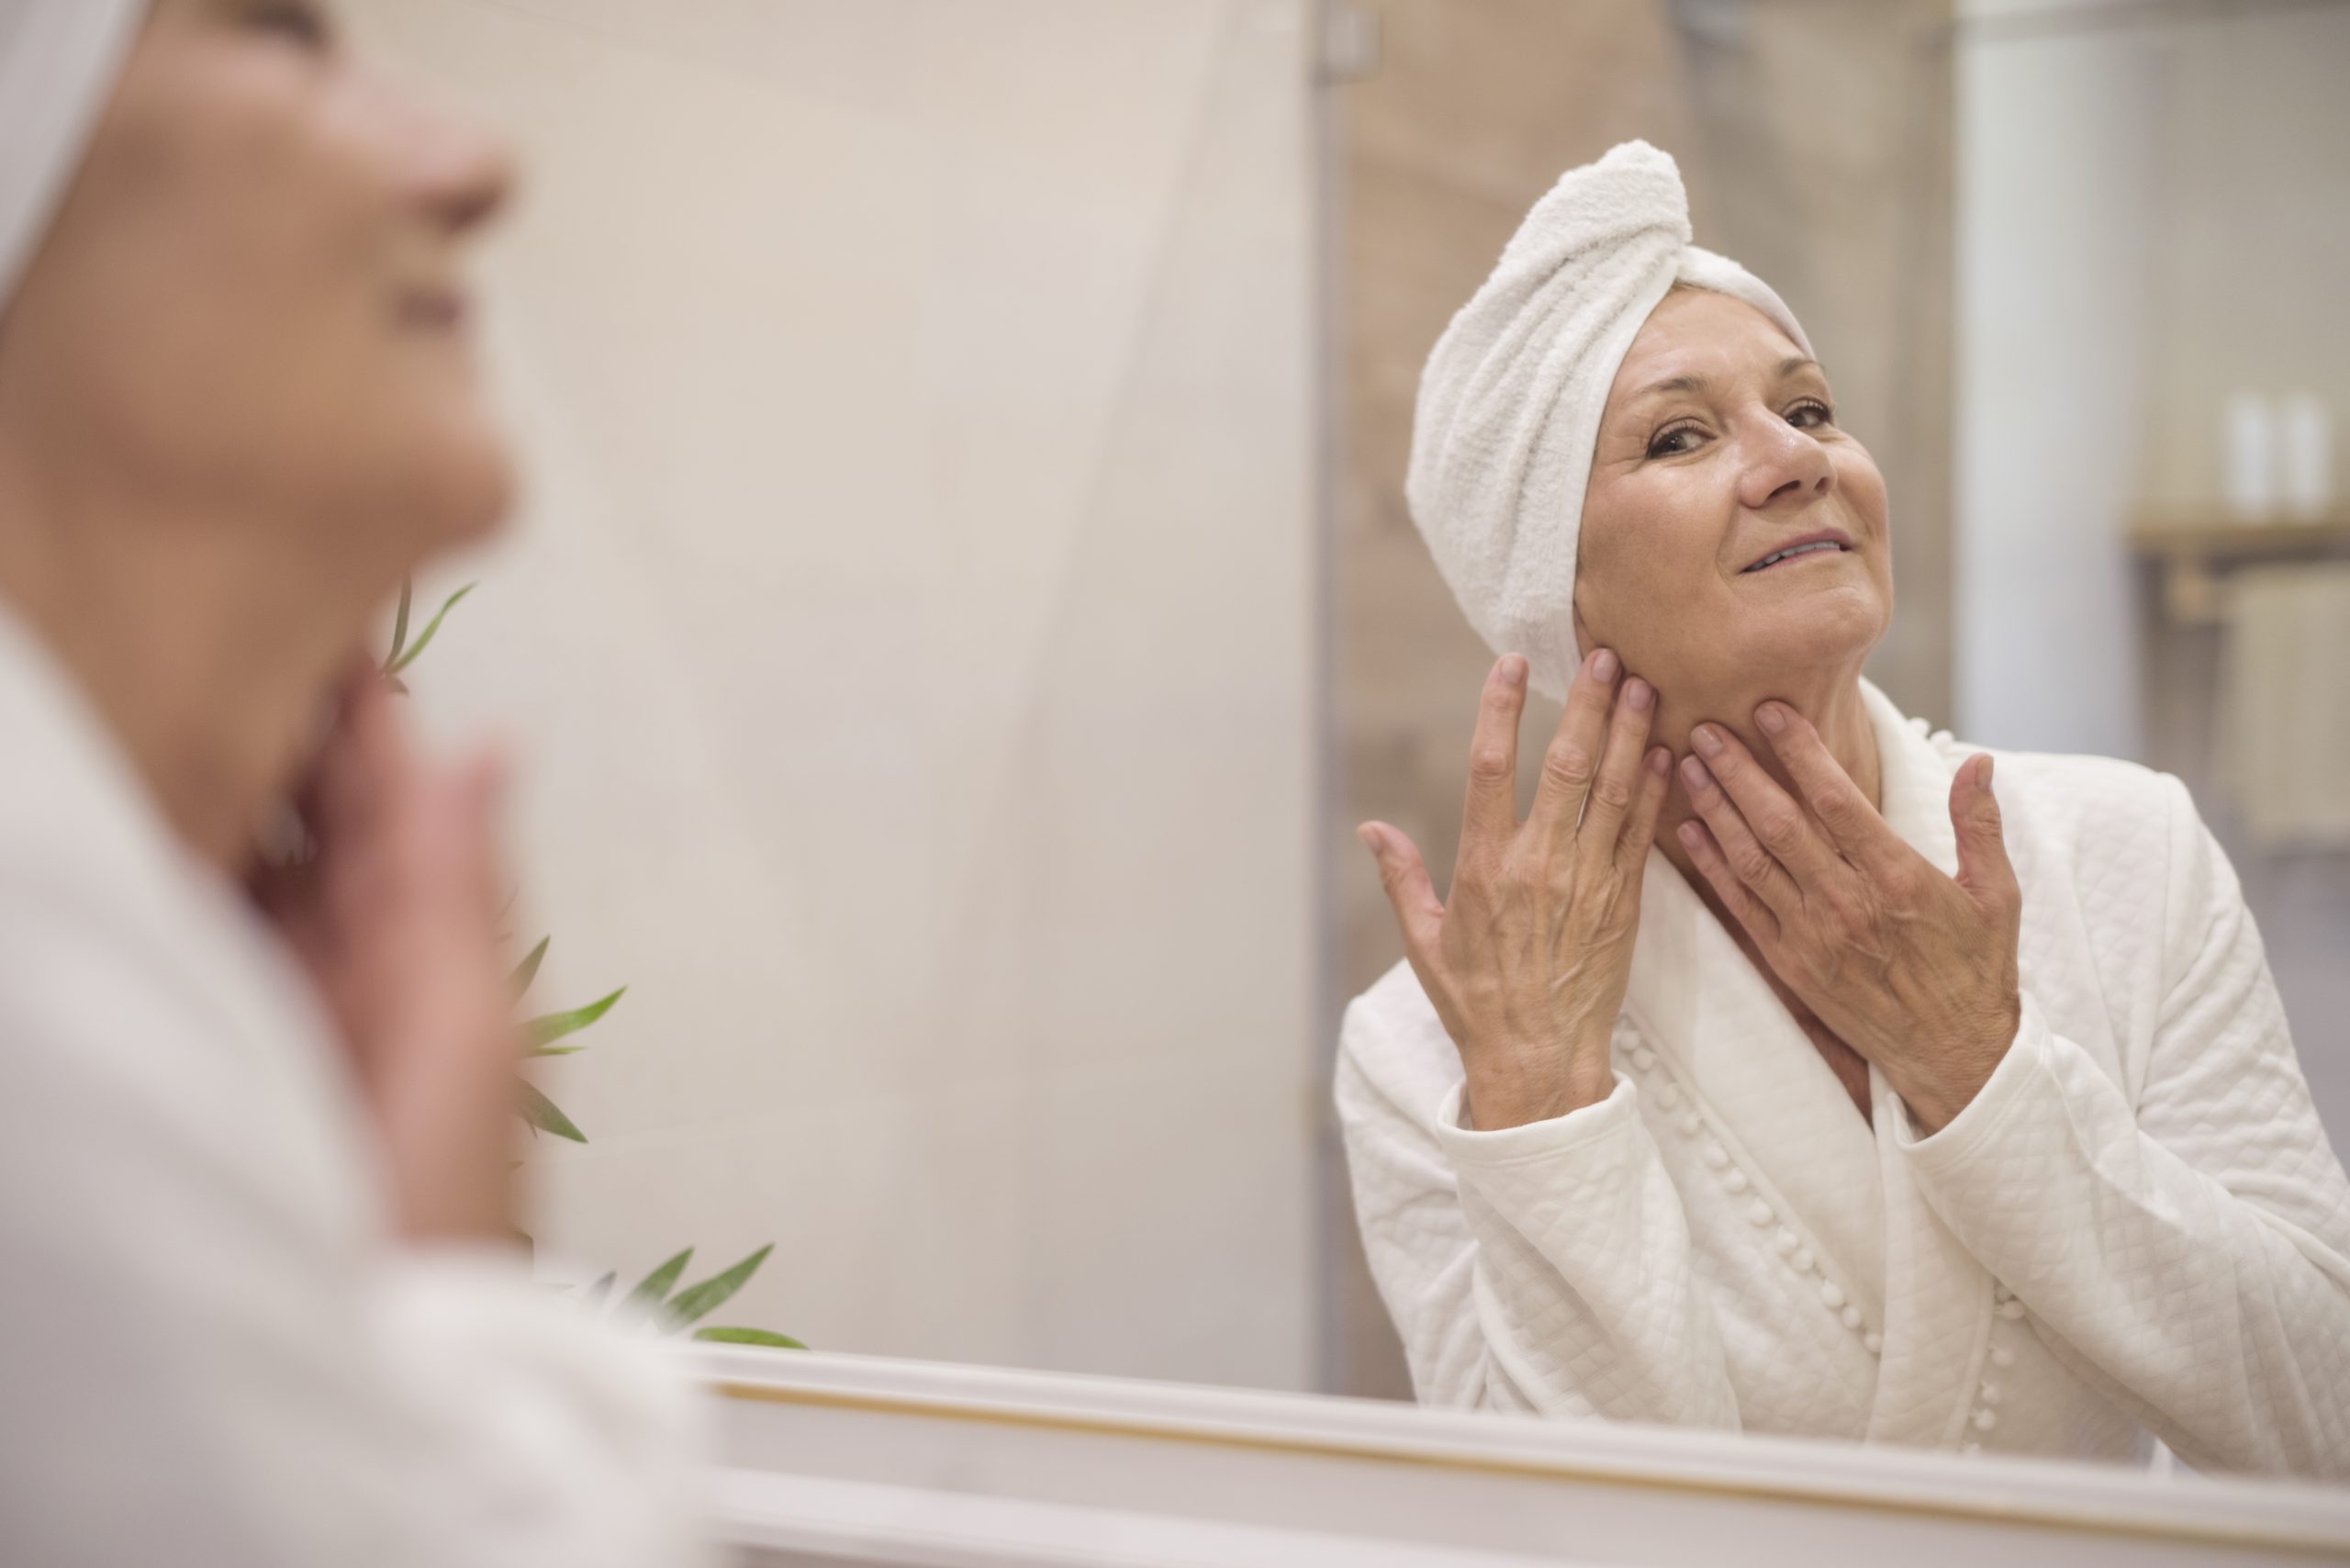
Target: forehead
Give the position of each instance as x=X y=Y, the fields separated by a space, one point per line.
x=1695 y=331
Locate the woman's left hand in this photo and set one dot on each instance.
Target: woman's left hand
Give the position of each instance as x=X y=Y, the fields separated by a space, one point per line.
x=1913 y=969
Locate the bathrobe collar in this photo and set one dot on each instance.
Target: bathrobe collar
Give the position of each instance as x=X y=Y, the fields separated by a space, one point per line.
x=1776 y=1107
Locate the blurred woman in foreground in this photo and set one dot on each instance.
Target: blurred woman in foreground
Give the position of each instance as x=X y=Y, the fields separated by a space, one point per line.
x=261 y=1305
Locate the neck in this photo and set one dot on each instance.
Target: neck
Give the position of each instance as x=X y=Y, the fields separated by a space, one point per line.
x=1830 y=701
x=202 y=640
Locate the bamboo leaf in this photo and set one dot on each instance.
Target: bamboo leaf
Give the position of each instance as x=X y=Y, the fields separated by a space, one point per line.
x=431 y=629
x=544 y=1114
x=698 y=1302
x=593 y=1297
x=654 y=1288
x=554 y=1050
x=399 y=622
x=528 y=970
x=748 y=1336
x=556 y=1025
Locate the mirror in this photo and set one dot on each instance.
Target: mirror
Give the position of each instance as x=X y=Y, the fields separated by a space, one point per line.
x=967 y=599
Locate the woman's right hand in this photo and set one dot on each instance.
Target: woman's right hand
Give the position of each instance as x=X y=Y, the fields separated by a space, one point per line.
x=396 y=916
x=1528 y=960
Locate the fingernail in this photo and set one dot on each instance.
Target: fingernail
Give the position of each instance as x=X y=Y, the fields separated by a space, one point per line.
x=1659 y=761
x=1513 y=670
x=1604 y=665
x=1769 y=718
x=1707 y=739
x=1983 y=778
x=1689 y=833
x=1369 y=836
x=1640 y=694
x=1694 y=774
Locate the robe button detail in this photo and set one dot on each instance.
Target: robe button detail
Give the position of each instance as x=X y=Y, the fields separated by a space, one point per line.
x=1852 y=1316
x=2011 y=1309
x=1832 y=1294
x=1759 y=1212
x=1801 y=1260
x=2002 y=1357
x=1667 y=1096
x=1688 y=1124
x=1984 y=1420
x=1873 y=1342
x=1788 y=1241
x=1643 y=1057
x=1735 y=1180
x=1990 y=1394
x=1716 y=1156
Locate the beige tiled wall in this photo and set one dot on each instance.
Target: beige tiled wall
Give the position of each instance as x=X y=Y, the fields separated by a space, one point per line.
x=910 y=639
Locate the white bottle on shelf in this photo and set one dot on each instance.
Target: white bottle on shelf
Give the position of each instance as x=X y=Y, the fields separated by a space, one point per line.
x=2251 y=457
x=2306 y=448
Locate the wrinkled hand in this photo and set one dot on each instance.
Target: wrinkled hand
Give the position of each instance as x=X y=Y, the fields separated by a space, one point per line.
x=1913 y=969
x=394 y=913
x=1528 y=962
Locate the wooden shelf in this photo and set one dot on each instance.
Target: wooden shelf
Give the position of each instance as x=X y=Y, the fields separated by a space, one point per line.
x=2195 y=552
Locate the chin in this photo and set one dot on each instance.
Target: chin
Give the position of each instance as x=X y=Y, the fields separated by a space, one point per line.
x=460 y=484
x=1823 y=631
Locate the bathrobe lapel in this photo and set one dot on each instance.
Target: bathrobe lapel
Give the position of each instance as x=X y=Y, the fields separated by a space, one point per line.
x=1938 y=1298
x=1774 y=1105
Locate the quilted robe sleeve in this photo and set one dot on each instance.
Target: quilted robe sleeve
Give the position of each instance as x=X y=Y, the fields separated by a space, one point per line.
x=2180 y=1238
x=1542 y=1269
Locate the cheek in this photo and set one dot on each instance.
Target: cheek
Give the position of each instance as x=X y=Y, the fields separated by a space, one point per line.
x=1646 y=558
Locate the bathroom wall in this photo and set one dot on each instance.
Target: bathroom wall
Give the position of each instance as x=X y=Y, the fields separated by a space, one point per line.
x=2153 y=210
x=909 y=645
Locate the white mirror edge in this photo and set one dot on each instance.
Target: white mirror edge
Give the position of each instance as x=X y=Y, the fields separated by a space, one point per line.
x=829 y=1458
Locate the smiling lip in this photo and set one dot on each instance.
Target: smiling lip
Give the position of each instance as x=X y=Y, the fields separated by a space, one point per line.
x=433 y=309
x=1800 y=549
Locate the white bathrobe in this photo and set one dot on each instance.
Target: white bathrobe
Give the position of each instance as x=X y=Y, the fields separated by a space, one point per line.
x=211 y=1349
x=2137 y=1226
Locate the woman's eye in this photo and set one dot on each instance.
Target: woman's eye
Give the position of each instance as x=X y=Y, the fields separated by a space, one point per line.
x=1678 y=441
x=1810 y=415
x=297 y=23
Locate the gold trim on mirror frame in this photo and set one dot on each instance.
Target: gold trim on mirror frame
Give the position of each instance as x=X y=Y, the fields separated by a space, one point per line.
x=2281 y=1543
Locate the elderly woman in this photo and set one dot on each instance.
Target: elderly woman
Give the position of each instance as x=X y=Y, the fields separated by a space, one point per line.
x=1787 y=1068
x=263 y=1304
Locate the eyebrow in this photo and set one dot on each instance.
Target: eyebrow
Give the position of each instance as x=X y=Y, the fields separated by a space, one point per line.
x=1788 y=367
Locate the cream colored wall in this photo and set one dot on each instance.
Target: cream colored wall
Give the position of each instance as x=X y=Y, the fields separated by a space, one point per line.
x=910 y=642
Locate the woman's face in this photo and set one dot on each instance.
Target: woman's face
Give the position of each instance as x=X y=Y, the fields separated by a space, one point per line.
x=250 y=302
x=1719 y=447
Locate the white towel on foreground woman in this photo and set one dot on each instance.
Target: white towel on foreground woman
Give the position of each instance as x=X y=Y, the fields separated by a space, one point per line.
x=2136 y=1228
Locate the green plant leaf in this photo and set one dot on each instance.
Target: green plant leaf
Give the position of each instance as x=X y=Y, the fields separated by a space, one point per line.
x=654 y=1288
x=431 y=628
x=556 y=1025
x=593 y=1296
x=748 y=1336
x=698 y=1302
x=554 y=1050
x=528 y=970
x=544 y=1114
x=399 y=622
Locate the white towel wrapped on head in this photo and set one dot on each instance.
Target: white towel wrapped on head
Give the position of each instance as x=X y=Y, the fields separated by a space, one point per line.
x=58 y=62
x=1510 y=401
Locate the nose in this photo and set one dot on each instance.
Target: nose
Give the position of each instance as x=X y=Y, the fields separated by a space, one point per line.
x=1786 y=465
x=461 y=173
